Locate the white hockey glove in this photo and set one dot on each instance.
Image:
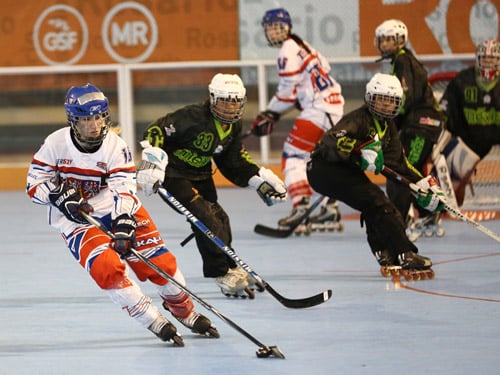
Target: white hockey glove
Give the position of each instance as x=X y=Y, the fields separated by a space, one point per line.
x=151 y=170
x=372 y=157
x=430 y=195
x=269 y=186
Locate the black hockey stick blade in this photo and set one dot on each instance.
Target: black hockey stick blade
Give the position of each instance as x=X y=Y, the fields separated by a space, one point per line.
x=286 y=232
x=300 y=303
x=273 y=232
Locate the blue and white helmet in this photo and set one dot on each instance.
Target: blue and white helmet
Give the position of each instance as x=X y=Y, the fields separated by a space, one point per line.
x=87 y=101
x=277 y=25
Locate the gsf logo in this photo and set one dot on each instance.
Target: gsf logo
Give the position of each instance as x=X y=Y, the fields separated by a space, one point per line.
x=62 y=40
x=58 y=33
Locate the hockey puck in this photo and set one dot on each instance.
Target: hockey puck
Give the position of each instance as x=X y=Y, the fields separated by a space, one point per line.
x=268 y=351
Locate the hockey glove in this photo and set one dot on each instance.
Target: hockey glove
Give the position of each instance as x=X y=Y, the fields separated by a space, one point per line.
x=264 y=122
x=372 y=157
x=430 y=196
x=151 y=170
x=123 y=228
x=70 y=202
x=269 y=186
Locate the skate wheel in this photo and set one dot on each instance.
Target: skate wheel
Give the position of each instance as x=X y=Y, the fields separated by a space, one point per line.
x=430 y=274
x=384 y=271
x=428 y=233
x=407 y=275
x=341 y=227
x=440 y=232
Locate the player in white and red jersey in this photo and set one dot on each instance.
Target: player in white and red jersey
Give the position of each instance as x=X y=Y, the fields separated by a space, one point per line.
x=304 y=82
x=84 y=167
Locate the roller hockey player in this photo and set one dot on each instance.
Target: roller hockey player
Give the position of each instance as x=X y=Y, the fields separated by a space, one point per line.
x=321 y=106
x=419 y=121
x=471 y=104
x=84 y=167
x=367 y=139
x=178 y=152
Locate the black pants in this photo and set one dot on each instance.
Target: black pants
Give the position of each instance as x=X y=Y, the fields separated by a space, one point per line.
x=385 y=227
x=200 y=198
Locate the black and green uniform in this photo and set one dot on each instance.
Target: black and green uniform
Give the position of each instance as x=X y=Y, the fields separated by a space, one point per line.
x=420 y=120
x=334 y=171
x=192 y=138
x=472 y=109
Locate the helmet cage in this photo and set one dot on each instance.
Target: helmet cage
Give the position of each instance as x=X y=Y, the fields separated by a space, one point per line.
x=277 y=26
x=384 y=96
x=86 y=102
x=227 y=97
x=488 y=59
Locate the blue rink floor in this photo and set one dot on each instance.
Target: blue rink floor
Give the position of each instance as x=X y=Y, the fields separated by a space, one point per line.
x=54 y=320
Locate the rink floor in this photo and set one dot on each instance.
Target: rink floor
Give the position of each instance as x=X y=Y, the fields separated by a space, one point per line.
x=54 y=320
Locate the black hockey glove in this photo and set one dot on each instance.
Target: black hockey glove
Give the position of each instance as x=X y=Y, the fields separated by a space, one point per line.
x=123 y=228
x=70 y=202
x=264 y=122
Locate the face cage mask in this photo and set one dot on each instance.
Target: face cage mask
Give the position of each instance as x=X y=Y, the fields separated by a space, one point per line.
x=382 y=114
x=280 y=31
x=488 y=73
x=227 y=110
x=89 y=143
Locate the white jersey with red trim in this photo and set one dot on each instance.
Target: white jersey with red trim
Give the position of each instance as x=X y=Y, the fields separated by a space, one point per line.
x=304 y=77
x=106 y=177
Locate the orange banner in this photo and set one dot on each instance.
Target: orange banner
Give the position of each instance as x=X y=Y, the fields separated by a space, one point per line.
x=457 y=18
x=100 y=32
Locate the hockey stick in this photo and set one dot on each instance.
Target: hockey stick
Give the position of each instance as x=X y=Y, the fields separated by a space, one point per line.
x=264 y=351
x=261 y=283
x=284 y=233
x=389 y=173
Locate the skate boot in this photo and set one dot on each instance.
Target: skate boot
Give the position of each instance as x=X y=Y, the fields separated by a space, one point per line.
x=413 y=229
x=166 y=331
x=252 y=285
x=411 y=266
x=199 y=324
x=415 y=267
x=328 y=218
x=384 y=258
x=427 y=226
x=431 y=225
x=234 y=284
x=295 y=216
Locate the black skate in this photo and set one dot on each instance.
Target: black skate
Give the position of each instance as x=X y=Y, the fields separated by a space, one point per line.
x=412 y=267
x=297 y=216
x=384 y=258
x=166 y=331
x=199 y=324
x=327 y=220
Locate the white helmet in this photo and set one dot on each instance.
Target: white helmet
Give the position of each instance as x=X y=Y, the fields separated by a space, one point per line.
x=227 y=97
x=384 y=96
x=488 y=59
x=391 y=28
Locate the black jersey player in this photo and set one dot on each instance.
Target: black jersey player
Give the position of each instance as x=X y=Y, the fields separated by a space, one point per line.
x=179 y=152
x=367 y=139
x=471 y=104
